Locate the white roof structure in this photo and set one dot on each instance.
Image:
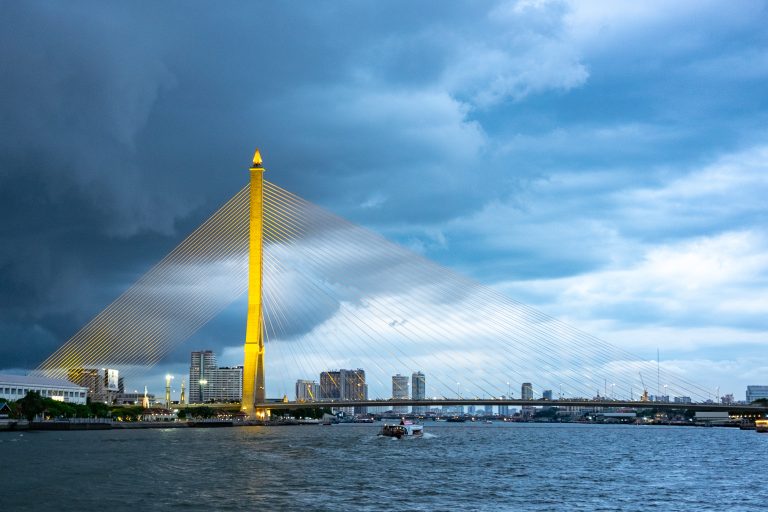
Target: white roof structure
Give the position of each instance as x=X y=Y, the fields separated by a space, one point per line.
x=28 y=380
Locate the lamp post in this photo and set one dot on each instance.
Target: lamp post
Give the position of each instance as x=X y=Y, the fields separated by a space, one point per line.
x=168 y=378
x=202 y=383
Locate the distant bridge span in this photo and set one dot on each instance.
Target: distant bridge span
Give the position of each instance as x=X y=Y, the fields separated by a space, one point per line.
x=753 y=409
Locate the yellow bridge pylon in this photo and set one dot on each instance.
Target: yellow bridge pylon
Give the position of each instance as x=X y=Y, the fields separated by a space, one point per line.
x=253 y=364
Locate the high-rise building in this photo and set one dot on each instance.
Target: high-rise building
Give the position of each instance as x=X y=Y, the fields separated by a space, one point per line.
x=103 y=384
x=355 y=388
x=418 y=391
x=503 y=409
x=488 y=410
x=546 y=394
x=210 y=383
x=202 y=362
x=307 y=390
x=225 y=384
x=330 y=385
x=344 y=385
x=526 y=391
x=400 y=391
x=756 y=392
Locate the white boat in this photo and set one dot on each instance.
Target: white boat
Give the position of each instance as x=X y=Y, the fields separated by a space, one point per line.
x=404 y=429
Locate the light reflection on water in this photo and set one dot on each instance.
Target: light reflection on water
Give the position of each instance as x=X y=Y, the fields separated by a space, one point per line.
x=454 y=466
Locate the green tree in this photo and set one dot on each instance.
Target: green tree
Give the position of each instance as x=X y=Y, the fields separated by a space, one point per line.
x=203 y=412
x=127 y=412
x=31 y=405
x=98 y=409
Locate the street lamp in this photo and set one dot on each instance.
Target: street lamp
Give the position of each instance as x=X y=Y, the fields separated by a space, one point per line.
x=666 y=397
x=168 y=378
x=458 y=389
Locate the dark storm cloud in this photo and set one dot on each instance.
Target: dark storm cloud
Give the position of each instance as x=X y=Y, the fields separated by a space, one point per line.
x=122 y=127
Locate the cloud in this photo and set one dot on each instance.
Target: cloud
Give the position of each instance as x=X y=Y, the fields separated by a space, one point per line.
x=531 y=142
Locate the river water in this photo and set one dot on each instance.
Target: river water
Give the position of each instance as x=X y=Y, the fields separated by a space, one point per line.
x=347 y=467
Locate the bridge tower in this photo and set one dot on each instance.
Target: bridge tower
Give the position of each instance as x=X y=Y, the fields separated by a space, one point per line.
x=253 y=364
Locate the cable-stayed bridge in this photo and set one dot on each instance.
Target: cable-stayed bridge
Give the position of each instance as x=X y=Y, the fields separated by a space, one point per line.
x=326 y=294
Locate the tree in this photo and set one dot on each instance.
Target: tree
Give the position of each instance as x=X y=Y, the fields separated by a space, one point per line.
x=98 y=409
x=203 y=412
x=31 y=405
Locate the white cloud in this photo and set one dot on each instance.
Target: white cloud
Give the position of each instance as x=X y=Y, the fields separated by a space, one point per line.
x=522 y=51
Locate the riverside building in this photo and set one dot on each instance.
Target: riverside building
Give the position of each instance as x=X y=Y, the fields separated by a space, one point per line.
x=211 y=383
x=526 y=391
x=418 y=391
x=400 y=391
x=104 y=384
x=343 y=385
x=307 y=390
x=15 y=387
x=756 y=392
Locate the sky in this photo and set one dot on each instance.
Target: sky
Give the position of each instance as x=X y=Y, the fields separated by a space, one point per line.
x=604 y=162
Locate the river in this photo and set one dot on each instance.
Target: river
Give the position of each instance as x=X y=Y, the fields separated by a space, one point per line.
x=347 y=467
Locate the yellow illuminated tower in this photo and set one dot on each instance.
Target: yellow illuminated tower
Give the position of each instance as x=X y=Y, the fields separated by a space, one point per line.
x=253 y=365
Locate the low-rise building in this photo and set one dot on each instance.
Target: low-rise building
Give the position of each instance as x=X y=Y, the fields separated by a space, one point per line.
x=15 y=387
x=134 y=398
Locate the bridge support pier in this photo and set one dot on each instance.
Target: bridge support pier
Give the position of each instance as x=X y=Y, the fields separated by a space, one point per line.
x=253 y=364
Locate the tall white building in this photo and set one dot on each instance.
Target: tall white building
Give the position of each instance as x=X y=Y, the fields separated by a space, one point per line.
x=400 y=391
x=209 y=383
x=202 y=362
x=225 y=384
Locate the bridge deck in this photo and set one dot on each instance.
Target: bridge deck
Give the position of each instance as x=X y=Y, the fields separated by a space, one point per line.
x=520 y=403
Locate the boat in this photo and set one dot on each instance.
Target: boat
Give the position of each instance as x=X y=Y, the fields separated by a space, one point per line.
x=456 y=419
x=761 y=426
x=488 y=422
x=404 y=429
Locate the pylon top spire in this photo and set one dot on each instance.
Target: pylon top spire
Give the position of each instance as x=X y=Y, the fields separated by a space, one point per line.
x=257 y=159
